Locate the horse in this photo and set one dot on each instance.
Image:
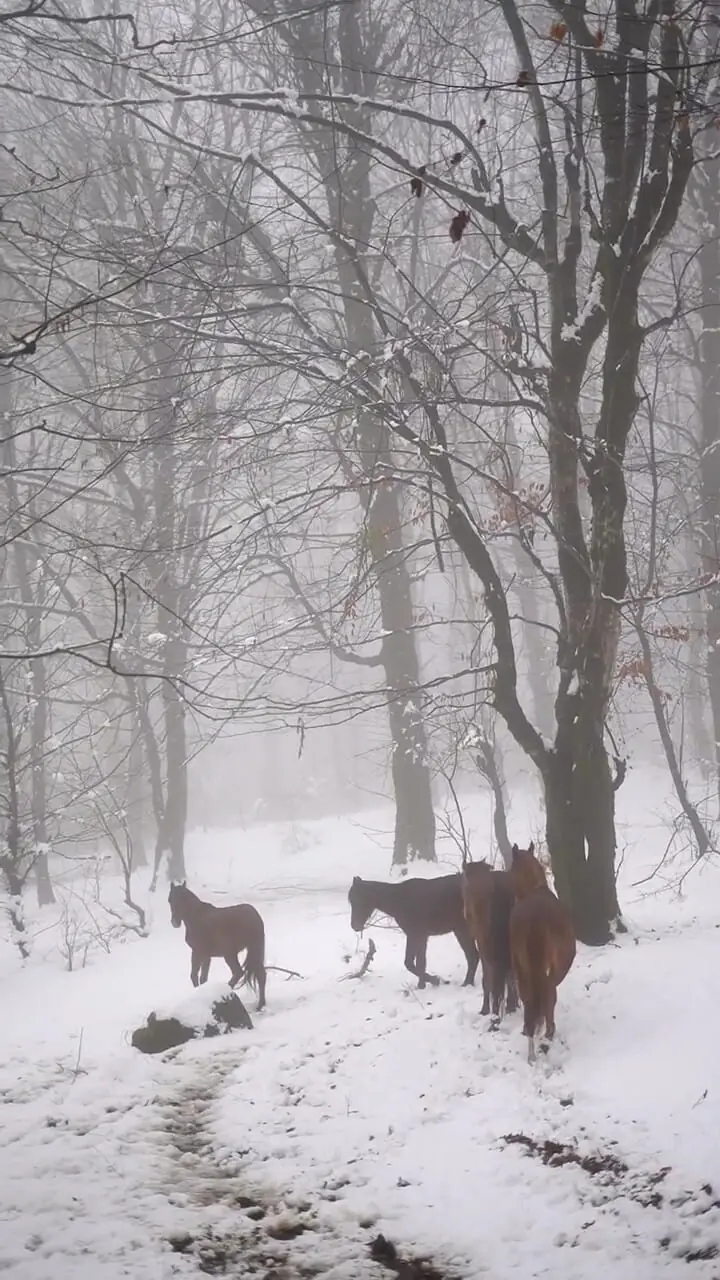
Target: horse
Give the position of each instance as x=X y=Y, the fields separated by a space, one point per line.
x=488 y=898
x=221 y=931
x=542 y=944
x=422 y=909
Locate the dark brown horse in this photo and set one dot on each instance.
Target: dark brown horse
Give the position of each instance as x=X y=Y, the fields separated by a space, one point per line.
x=542 y=943
x=488 y=898
x=423 y=909
x=221 y=931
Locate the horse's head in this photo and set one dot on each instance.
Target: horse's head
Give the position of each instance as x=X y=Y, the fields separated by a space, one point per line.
x=361 y=907
x=526 y=872
x=175 y=898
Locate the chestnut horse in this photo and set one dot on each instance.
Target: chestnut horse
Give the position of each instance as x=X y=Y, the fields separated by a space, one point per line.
x=221 y=931
x=542 y=944
x=488 y=898
x=423 y=909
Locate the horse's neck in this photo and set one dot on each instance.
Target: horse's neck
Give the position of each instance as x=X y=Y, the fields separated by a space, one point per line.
x=193 y=905
x=383 y=896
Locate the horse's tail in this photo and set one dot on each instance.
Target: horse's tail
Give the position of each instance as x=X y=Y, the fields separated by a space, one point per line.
x=501 y=904
x=530 y=961
x=254 y=970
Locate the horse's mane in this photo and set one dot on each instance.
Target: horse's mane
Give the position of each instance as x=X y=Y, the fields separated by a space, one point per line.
x=189 y=894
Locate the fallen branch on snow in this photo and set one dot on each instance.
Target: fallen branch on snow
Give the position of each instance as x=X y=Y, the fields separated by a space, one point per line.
x=275 y=968
x=360 y=973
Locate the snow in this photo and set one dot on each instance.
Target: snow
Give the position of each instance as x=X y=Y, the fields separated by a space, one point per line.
x=359 y=1106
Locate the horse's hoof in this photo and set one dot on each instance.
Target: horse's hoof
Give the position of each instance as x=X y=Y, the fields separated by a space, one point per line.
x=434 y=982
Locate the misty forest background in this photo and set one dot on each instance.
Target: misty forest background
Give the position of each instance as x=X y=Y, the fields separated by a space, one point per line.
x=359 y=421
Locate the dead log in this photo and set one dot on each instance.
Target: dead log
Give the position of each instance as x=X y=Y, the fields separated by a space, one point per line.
x=160 y=1034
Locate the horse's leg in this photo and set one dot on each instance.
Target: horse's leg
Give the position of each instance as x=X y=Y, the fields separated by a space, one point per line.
x=232 y=961
x=261 y=981
x=410 y=959
x=421 y=962
x=470 y=951
x=526 y=988
x=511 y=997
x=204 y=970
x=485 y=983
x=195 y=968
x=550 y=1002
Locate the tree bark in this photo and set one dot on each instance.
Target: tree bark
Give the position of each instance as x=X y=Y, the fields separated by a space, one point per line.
x=352 y=212
x=176 y=783
x=706 y=194
x=135 y=796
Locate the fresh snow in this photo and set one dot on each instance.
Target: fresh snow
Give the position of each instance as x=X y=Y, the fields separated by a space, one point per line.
x=363 y=1106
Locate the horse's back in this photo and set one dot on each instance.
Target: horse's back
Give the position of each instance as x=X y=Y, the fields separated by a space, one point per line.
x=233 y=928
x=434 y=904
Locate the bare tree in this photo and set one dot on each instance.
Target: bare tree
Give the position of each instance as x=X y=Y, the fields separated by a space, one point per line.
x=614 y=154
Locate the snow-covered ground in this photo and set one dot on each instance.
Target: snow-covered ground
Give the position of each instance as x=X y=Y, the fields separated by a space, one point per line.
x=359 y=1107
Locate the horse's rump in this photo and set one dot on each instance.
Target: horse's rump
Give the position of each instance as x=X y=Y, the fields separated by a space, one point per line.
x=541 y=932
x=542 y=944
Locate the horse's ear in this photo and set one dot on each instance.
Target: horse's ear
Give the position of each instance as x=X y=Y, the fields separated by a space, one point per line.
x=515 y=852
x=184 y=884
x=531 y=847
x=356 y=879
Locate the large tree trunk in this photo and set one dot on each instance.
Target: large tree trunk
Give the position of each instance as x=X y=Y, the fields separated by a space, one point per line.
x=32 y=601
x=580 y=818
x=170 y=614
x=351 y=202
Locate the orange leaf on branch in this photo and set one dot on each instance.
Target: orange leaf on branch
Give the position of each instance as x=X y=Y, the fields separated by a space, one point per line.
x=558 y=31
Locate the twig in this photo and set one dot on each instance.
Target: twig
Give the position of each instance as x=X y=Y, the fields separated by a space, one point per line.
x=360 y=973
x=79 y=1071
x=275 y=968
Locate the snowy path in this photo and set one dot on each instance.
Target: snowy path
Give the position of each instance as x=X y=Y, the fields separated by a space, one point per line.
x=360 y=1107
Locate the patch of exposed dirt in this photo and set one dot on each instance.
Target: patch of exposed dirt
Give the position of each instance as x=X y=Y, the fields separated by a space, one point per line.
x=272 y=1239
x=558 y=1154
x=385 y=1253
x=644 y=1189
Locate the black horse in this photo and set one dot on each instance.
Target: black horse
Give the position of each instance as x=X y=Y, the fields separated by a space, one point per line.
x=423 y=909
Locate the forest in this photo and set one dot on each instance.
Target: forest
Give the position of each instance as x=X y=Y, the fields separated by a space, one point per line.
x=359 y=373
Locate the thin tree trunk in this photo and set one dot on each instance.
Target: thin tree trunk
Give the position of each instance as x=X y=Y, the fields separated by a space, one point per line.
x=702 y=839
x=38 y=741
x=135 y=797
x=706 y=195
x=176 y=771
x=11 y=859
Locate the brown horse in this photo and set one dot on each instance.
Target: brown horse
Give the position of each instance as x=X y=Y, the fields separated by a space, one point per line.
x=423 y=909
x=542 y=944
x=221 y=931
x=488 y=898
